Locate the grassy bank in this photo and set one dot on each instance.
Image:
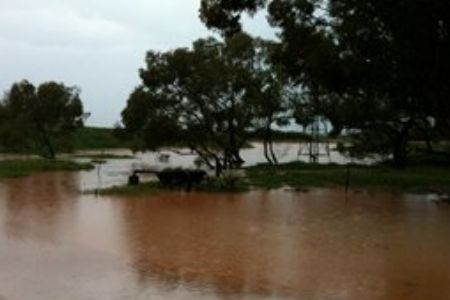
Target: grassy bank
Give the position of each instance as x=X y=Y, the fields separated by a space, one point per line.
x=416 y=179
x=86 y=138
x=92 y=138
x=20 y=168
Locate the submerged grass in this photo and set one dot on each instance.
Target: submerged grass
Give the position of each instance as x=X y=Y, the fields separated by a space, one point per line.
x=148 y=188
x=25 y=167
x=219 y=185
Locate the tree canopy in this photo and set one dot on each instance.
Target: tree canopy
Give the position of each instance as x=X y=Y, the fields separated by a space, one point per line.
x=209 y=98
x=39 y=119
x=386 y=63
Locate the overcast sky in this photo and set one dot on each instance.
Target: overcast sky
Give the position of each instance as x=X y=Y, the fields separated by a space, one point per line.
x=97 y=45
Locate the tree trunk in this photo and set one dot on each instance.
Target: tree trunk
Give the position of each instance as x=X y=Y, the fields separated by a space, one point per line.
x=429 y=143
x=226 y=160
x=266 y=151
x=272 y=152
x=44 y=136
x=237 y=159
x=269 y=153
x=50 y=150
x=400 y=153
x=219 y=167
x=400 y=145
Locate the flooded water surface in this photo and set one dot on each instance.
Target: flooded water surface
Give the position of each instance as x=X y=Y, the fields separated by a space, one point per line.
x=56 y=243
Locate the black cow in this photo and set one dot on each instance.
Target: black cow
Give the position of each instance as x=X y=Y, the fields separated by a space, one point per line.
x=181 y=178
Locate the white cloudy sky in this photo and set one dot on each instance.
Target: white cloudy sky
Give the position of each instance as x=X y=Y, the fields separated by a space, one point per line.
x=97 y=45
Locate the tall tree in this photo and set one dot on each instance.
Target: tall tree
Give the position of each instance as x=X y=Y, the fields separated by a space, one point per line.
x=270 y=96
x=386 y=61
x=40 y=119
x=201 y=97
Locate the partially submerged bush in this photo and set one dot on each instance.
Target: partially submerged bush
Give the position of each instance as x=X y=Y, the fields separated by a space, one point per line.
x=181 y=178
x=229 y=181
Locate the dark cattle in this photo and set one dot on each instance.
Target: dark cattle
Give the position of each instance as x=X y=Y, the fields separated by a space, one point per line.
x=179 y=178
x=133 y=179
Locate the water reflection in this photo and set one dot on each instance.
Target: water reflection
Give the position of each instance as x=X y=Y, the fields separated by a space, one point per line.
x=260 y=245
x=38 y=206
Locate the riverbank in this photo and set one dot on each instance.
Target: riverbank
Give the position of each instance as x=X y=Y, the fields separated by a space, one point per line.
x=24 y=167
x=414 y=179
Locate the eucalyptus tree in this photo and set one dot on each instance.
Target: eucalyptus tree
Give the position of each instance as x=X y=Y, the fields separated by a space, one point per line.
x=385 y=61
x=202 y=98
x=272 y=100
x=40 y=119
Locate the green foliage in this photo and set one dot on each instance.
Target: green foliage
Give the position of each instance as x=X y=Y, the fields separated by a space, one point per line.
x=225 y=15
x=40 y=120
x=91 y=138
x=205 y=98
x=25 y=167
x=378 y=68
x=423 y=178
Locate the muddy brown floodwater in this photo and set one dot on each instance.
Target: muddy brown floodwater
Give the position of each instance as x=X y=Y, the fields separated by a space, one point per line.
x=58 y=244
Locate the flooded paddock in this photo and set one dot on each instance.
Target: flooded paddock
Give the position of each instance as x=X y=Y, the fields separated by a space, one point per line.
x=56 y=243
x=116 y=171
